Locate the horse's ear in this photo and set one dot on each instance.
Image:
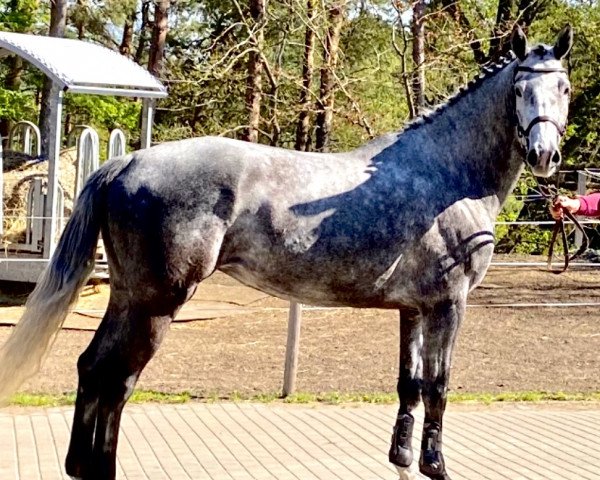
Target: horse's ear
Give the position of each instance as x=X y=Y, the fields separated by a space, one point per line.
x=518 y=43
x=564 y=42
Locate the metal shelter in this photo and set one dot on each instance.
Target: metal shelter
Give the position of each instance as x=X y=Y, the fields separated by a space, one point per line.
x=74 y=66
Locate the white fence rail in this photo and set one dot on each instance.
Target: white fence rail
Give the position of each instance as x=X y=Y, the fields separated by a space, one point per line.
x=88 y=157
x=25 y=137
x=116 y=144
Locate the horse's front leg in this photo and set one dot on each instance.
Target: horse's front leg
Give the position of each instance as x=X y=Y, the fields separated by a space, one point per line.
x=440 y=326
x=409 y=391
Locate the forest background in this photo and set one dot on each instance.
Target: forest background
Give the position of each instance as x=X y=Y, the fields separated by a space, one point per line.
x=319 y=75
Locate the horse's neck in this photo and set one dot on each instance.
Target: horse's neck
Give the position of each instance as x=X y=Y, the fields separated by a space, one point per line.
x=484 y=135
x=473 y=138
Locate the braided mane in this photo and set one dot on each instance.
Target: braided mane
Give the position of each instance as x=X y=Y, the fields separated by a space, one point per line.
x=486 y=73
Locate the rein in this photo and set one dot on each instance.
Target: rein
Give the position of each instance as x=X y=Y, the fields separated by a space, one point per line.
x=547 y=192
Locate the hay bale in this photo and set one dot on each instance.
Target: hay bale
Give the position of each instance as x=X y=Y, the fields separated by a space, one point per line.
x=19 y=172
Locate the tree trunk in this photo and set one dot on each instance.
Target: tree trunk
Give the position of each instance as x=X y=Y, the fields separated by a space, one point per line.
x=275 y=125
x=529 y=10
x=12 y=82
x=58 y=23
x=335 y=17
x=452 y=8
x=143 y=37
x=255 y=68
x=498 y=43
x=79 y=19
x=418 y=56
x=126 y=46
x=159 y=36
x=308 y=66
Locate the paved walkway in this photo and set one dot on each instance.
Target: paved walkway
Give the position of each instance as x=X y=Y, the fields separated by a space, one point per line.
x=279 y=442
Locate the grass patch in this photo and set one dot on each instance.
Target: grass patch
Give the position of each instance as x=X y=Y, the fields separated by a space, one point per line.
x=488 y=398
x=42 y=400
x=150 y=396
x=329 y=398
x=67 y=399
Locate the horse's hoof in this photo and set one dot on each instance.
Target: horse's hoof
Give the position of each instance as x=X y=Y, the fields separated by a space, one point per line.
x=407 y=473
x=443 y=476
x=432 y=465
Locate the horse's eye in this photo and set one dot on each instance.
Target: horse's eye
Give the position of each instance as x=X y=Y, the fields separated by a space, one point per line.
x=567 y=91
x=518 y=92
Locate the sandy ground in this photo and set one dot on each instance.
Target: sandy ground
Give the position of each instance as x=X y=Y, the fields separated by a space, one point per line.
x=230 y=338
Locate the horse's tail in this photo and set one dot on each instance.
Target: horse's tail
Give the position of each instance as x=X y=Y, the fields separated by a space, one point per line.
x=58 y=287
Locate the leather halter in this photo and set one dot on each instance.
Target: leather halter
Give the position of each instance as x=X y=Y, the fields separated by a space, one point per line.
x=549 y=195
x=524 y=132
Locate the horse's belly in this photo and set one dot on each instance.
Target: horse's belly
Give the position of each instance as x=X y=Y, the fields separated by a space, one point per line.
x=325 y=287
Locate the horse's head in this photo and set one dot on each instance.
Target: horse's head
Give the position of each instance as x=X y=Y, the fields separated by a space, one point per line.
x=542 y=92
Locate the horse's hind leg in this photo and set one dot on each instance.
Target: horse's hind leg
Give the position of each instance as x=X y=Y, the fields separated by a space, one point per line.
x=79 y=456
x=440 y=326
x=109 y=369
x=409 y=392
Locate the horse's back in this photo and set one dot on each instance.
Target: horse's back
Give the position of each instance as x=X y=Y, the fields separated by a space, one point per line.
x=170 y=209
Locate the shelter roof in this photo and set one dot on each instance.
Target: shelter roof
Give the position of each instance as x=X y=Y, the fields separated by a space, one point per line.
x=83 y=67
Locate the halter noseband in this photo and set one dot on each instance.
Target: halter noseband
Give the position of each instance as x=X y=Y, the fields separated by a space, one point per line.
x=524 y=132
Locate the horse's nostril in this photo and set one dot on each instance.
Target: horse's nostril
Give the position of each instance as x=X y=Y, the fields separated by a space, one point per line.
x=532 y=158
x=555 y=157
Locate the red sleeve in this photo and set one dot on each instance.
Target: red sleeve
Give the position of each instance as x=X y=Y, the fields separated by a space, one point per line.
x=589 y=205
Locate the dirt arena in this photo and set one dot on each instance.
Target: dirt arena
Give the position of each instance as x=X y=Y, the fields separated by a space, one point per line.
x=230 y=338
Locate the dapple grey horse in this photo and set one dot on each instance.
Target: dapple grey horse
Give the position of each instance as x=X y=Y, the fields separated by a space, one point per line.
x=404 y=222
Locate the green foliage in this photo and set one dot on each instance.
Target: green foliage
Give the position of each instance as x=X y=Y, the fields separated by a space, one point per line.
x=22 y=15
x=523 y=239
x=510 y=213
x=205 y=70
x=581 y=148
x=17 y=105
x=104 y=112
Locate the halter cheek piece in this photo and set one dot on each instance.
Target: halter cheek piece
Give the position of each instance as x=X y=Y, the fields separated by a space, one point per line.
x=559 y=225
x=524 y=132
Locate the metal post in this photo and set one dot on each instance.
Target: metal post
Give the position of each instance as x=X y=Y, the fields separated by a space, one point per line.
x=54 y=143
x=581 y=188
x=147 y=117
x=292 y=349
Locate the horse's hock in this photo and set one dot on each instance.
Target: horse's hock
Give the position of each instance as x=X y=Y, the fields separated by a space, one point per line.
x=21 y=171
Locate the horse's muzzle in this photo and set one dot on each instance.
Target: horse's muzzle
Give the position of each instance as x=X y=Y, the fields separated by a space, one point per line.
x=543 y=162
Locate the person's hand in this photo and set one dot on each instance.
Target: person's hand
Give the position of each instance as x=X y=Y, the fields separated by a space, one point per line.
x=562 y=203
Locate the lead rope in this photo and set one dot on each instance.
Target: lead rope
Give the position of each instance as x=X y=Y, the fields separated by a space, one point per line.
x=550 y=193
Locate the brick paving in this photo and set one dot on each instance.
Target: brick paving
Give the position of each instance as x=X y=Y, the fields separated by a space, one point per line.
x=227 y=441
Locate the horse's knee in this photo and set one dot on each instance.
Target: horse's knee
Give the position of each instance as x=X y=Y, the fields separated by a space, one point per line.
x=409 y=392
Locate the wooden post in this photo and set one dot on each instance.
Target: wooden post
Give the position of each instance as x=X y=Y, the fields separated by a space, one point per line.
x=147 y=114
x=292 y=349
x=1 y=191
x=54 y=142
x=581 y=188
